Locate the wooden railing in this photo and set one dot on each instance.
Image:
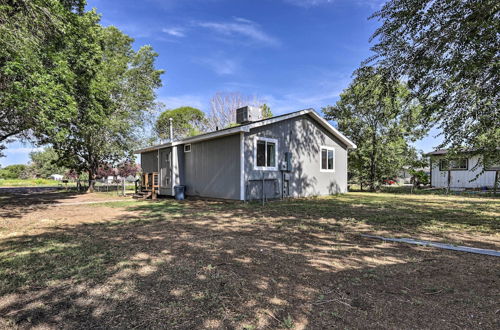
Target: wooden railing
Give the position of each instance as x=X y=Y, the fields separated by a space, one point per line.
x=150 y=182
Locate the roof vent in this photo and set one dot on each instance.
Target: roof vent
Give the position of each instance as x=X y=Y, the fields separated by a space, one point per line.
x=248 y=114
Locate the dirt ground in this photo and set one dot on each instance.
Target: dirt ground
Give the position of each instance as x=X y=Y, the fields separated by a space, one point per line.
x=67 y=262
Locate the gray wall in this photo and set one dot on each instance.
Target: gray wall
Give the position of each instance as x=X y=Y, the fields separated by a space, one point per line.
x=212 y=168
x=149 y=161
x=303 y=137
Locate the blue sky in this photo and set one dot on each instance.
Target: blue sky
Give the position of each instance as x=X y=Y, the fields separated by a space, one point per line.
x=292 y=54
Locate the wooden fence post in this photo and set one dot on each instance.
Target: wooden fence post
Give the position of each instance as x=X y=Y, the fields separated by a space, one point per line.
x=495 y=185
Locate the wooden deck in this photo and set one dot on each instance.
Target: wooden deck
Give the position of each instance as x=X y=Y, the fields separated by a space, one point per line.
x=149 y=186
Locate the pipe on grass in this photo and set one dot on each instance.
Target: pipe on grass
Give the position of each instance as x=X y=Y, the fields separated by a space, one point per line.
x=494 y=253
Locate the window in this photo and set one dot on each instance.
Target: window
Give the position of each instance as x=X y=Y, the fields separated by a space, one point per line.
x=453 y=164
x=266 y=152
x=187 y=148
x=327 y=159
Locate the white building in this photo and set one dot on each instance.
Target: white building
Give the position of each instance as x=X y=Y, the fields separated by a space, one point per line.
x=57 y=177
x=460 y=173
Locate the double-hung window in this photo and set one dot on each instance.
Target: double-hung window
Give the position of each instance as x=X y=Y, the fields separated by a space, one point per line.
x=266 y=154
x=327 y=155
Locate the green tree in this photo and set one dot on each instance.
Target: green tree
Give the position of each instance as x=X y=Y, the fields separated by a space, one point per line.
x=114 y=89
x=35 y=77
x=449 y=51
x=266 y=111
x=12 y=171
x=186 y=121
x=44 y=163
x=379 y=116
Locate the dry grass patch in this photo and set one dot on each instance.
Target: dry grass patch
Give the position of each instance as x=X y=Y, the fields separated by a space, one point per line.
x=210 y=264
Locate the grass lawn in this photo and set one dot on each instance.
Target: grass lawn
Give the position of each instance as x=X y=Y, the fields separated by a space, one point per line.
x=28 y=182
x=65 y=263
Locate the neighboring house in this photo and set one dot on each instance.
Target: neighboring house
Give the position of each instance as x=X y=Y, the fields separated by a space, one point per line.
x=297 y=154
x=460 y=172
x=57 y=177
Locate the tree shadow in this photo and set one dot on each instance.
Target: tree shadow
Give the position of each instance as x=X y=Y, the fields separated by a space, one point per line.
x=19 y=203
x=402 y=215
x=210 y=264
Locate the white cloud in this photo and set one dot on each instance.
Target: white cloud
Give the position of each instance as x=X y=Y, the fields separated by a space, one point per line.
x=221 y=66
x=240 y=27
x=21 y=150
x=175 y=32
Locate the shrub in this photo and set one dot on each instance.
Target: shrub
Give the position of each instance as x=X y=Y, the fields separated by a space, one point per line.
x=12 y=171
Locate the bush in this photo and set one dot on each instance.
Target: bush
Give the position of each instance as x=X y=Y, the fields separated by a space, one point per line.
x=419 y=178
x=12 y=171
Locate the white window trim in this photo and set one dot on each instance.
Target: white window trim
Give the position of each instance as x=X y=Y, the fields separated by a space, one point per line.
x=189 y=144
x=320 y=160
x=265 y=168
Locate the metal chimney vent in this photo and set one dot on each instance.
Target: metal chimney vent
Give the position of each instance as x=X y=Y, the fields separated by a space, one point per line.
x=248 y=114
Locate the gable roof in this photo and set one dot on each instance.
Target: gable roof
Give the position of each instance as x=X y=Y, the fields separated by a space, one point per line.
x=437 y=152
x=248 y=126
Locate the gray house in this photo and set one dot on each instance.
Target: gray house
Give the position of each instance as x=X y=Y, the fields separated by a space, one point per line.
x=294 y=155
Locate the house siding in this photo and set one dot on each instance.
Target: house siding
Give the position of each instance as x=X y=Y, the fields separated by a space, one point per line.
x=212 y=168
x=303 y=137
x=461 y=178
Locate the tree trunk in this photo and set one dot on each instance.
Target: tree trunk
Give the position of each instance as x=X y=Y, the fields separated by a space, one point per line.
x=91 y=180
x=372 y=160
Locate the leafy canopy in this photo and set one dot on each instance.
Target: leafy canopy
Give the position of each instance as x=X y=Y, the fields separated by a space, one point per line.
x=449 y=50
x=266 y=111
x=378 y=114
x=44 y=163
x=186 y=121
x=114 y=92
x=35 y=74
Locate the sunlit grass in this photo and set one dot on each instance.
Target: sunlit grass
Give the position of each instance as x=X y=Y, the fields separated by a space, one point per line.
x=28 y=182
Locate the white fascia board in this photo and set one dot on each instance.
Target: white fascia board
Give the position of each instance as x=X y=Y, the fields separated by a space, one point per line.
x=278 y=119
x=247 y=128
x=212 y=135
x=193 y=139
x=152 y=148
x=332 y=130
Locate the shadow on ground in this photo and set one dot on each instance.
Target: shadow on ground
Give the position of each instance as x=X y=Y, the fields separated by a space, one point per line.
x=25 y=200
x=199 y=264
